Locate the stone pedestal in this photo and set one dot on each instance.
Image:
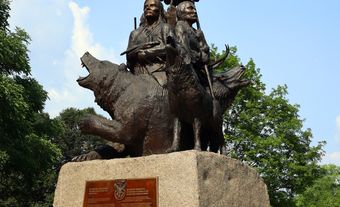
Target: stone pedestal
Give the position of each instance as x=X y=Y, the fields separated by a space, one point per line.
x=185 y=179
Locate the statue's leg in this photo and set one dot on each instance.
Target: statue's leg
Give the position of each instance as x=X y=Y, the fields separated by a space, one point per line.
x=197 y=126
x=107 y=129
x=216 y=142
x=177 y=136
x=205 y=137
x=223 y=150
x=107 y=151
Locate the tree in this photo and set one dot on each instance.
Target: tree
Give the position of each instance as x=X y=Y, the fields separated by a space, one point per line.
x=325 y=192
x=4 y=14
x=71 y=142
x=27 y=157
x=266 y=132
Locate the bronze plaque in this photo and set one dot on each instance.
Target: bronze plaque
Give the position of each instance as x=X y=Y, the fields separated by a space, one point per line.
x=122 y=193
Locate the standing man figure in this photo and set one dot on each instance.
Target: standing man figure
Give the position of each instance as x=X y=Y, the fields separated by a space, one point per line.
x=192 y=40
x=150 y=59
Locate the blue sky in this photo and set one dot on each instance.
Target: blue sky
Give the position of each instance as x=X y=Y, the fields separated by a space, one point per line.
x=296 y=43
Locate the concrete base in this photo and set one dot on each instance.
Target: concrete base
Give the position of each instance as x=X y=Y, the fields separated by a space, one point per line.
x=185 y=179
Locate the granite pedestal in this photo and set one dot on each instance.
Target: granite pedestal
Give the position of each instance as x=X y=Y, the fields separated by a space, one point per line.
x=185 y=179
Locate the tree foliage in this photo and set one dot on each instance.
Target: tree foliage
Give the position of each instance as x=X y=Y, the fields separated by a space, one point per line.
x=13 y=45
x=71 y=142
x=27 y=157
x=4 y=14
x=325 y=192
x=265 y=131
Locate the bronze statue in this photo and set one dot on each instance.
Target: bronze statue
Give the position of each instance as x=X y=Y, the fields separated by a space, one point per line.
x=192 y=40
x=190 y=103
x=171 y=12
x=193 y=104
x=153 y=29
x=159 y=102
x=137 y=104
x=139 y=108
x=175 y=2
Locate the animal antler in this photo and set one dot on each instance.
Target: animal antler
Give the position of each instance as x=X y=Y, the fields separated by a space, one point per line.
x=220 y=61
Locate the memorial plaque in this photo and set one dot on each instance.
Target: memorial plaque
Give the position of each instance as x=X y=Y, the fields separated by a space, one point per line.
x=122 y=193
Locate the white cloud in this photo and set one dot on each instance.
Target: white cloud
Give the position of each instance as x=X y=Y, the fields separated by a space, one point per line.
x=46 y=22
x=77 y=97
x=70 y=94
x=338 y=122
x=58 y=98
x=82 y=37
x=60 y=35
x=337 y=133
x=331 y=158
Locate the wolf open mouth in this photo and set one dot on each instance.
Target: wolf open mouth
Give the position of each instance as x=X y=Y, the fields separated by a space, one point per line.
x=83 y=65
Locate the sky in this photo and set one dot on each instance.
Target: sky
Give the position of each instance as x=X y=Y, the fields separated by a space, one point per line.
x=296 y=43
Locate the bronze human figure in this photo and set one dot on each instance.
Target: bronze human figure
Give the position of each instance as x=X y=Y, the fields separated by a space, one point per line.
x=192 y=104
x=171 y=12
x=143 y=58
x=191 y=39
x=175 y=2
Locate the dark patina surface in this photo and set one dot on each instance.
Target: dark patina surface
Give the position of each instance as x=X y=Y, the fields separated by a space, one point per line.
x=165 y=98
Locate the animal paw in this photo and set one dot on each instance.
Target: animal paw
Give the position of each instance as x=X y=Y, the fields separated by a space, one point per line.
x=93 y=155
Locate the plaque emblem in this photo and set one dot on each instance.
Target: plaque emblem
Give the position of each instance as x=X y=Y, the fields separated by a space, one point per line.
x=120 y=189
x=122 y=192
